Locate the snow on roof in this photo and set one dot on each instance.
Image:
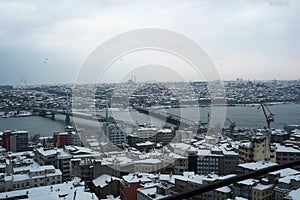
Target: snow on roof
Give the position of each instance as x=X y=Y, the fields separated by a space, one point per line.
x=285 y=172
x=195 y=178
x=148 y=161
x=103 y=180
x=20 y=177
x=137 y=177
x=144 y=143
x=224 y=189
x=294 y=194
x=111 y=197
x=288 y=179
x=53 y=192
x=176 y=156
x=182 y=146
x=20 y=132
x=257 y=165
x=56 y=151
x=246 y=144
x=23 y=153
x=34 y=167
x=261 y=187
x=226 y=176
x=121 y=160
x=249 y=181
x=203 y=152
x=240 y=198
x=165 y=130
x=149 y=191
x=281 y=148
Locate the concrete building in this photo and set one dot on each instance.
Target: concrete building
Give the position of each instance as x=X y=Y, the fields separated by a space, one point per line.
x=259 y=148
x=70 y=137
x=221 y=160
x=250 y=167
x=130 y=183
x=143 y=134
x=154 y=191
x=262 y=191
x=68 y=159
x=74 y=190
x=33 y=177
x=164 y=136
x=105 y=185
x=56 y=157
x=244 y=188
x=16 y=141
x=148 y=165
x=287 y=153
x=115 y=134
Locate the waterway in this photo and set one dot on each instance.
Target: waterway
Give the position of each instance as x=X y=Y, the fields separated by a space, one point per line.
x=244 y=116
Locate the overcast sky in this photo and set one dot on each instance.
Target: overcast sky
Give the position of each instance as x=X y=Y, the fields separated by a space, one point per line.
x=47 y=41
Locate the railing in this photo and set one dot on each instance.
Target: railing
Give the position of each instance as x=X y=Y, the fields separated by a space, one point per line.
x=226 y=182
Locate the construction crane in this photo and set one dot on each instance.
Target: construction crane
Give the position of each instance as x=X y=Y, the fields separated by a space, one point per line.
x=232 y=125
x=269 y=117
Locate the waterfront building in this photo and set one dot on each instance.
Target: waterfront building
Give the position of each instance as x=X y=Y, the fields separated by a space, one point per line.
x=16 y=141
x=70 y=137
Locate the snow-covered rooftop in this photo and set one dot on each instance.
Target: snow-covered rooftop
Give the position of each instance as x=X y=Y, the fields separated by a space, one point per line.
x=65 y=191
x=257 y=165
x=261 y=187
x=103 y=180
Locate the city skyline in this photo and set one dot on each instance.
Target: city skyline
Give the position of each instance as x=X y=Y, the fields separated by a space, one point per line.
x=43 y=43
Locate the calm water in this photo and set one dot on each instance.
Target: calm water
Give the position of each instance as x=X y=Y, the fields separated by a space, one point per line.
x=245 y=117
x=34 y=125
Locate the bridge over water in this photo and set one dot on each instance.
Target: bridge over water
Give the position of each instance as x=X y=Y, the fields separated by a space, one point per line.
x=168 y=117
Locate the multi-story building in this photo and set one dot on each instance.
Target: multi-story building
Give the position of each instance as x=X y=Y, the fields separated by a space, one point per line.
x=221 y=160
x=164 y=136
x=244 y=188
x=148 y=165
x=141 y=135
x=16 y=141
x=114 y=133
x=262 y=191
x=56 y=157
x=130 y=183
x=259 y=148
x=105 y=185
x=154 y=191
x=70 y=137
x=62 y=159
x=287 y=153
x=250 y=167
x=285 y=185
x=23 y=172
